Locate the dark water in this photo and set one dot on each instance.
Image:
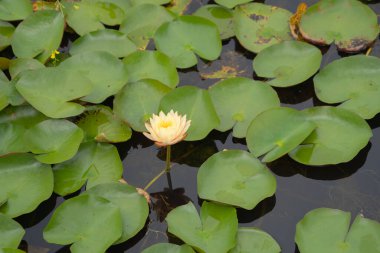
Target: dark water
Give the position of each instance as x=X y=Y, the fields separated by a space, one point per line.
x=353 y=186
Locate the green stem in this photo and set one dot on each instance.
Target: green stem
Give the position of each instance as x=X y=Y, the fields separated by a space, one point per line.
x=154 y=179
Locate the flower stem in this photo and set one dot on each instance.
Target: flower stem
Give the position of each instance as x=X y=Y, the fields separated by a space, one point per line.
x=154 y=179
x=168 y=151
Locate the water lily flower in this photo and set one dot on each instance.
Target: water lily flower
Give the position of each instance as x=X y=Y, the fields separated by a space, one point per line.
x=168 y=129
x=53 y=54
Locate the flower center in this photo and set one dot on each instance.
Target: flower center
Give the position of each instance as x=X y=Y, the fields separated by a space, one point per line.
x=166 y=124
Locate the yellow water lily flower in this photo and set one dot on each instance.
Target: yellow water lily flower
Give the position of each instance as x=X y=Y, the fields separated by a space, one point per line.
x=168 y=129
x=53 y=54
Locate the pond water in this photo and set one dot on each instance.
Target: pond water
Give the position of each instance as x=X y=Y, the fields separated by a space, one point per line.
x=353 y=186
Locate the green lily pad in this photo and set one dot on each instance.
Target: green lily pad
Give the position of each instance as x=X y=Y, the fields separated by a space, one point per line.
x=133 y=206
x=151 y=65
x=11 y=233
x=235 y=177
x=51 y=90
x=105 y=71
x=254 y=240
x=25 y=183
x=100 y=124
x=6 y=32
x=180 y=7
x=231 y=3
x=11 y=10
x=350 y=24
x=353 y=81
x=19 y=65
x=141 y=30
x=213 y=232
x=133 y=106
x=90 y=223
x=277 y=131
x=239 y=100
x=108 y=40
x=258 y=26
x=287 y=63
x=53 y=141
x=90 y=15
x=186 y=37
x=338 y=137
x=197 y=105
x=221 y=16
x=5 y=89
x=168 y=248
x=38 y=35
x=328 y=230
x=156 y=2
x=95 y=163
x=8 y=250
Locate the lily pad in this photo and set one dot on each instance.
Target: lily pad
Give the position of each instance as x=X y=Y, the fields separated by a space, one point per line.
x=90 y=223
x=100 y=124
x=6 y=32
x=19 y=65
x=95 y=163
x=277 y=131
x=51 y=90
x=5 y=89
x=221 y=16
x=328 y=230
x=197 y=105
x=186 y=37
x=9 y=250
x=53 y=141
x=105 y=71
x=11 y=233
x=235 y=177
x=38 y=35
x=156 y=2
x=133 y=106
x=168 y=248
x=287 y=63
x=231 y=3
x=213 y=232
x=254 y=240
x=350 y=24
x=11 y=10
x=133 y=206
x=108 y=40
x=239 y=100
x=151 y=65
x=25 y=183
x=89 y=15
x=258 y=26
x=141 y=30
x=353 y=81
x=338 y=137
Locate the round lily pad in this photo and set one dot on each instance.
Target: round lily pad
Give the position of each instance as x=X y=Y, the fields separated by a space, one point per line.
x=25 y=183
x=338 y=137
x=328 y=230
x=239 y=100
x=151 y=65
x=258 y=26
x=350 y=24
x=254 y=240
x=54 y=141
x=186 y=37
x=108 y=40
x=353 y=81
x=287 y=63
x=168 y=248
x=221 y=16
x=11 y=233
x=214 y=231
x=235 y=177
x=133 y=106
x=11 y=10
x=196 y=104
x=90 y=223
x=277 y=131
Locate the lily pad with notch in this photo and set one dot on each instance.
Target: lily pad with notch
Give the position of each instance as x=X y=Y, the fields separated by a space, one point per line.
x=235 y=177
x=287 y=63
x=277 y=131
x=350 y=24
x=328 y=230
x=338 y=137
x=239 y=100
x=353 y=81
x=214 y=231
x=258 y=26
x=186 y=37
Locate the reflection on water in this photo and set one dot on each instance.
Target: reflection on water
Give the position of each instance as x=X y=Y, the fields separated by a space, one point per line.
x=352 y=186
